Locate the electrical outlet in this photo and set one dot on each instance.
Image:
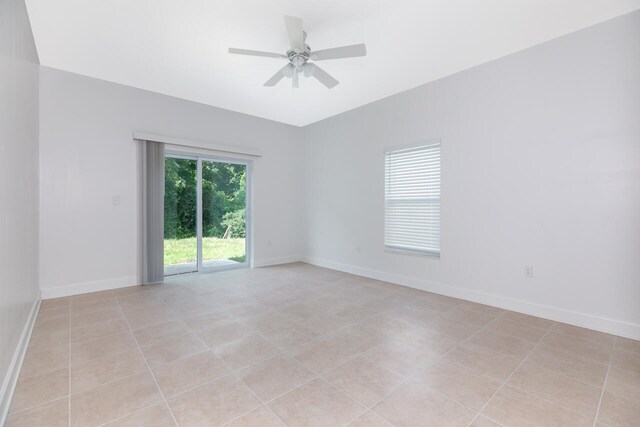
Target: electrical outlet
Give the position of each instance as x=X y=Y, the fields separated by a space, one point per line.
x=528 y=271
x=116 y=200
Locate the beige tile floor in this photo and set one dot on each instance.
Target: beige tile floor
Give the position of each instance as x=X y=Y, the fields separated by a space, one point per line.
x=299 y=345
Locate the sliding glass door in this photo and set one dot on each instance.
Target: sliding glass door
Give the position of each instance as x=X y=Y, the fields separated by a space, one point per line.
x=180 y=215
x=205 y=214
x=224 y=189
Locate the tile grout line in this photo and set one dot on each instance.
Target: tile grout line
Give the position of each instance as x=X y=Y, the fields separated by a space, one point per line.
x=231 y=369
x=412 y=376
x=511 y=375
x=280 y=353
x=234 y=372
x=585 y=340
x=288 y=354
x=226 y=374
x=147 y=363
x=39 y=405
x=546 y=399
x=262 y=402
x=68 y=395
x=548 y=330
x=363 y=354
x=280 y=349
x=132 y=413
x=113 y=380
x=274 y=413
x=129 y=328
x=348 y=325
x=606 y=378
x=561 y=374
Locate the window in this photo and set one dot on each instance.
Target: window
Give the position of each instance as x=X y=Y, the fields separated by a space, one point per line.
x=412 y=199
x=205 y=207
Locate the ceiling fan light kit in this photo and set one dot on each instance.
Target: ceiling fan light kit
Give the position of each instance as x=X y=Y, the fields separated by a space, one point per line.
x=300 y=54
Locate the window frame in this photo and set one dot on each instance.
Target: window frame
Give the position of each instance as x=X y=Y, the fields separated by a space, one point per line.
x=408 y=250
x=200 y=157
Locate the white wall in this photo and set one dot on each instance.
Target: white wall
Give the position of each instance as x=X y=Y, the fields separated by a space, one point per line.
x=88 y=156
x=18 y=186
x=541 y=166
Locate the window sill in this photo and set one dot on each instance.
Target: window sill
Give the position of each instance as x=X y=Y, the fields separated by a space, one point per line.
x=421 y=254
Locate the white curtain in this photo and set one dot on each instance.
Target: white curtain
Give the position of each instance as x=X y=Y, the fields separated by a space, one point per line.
x=152 y=212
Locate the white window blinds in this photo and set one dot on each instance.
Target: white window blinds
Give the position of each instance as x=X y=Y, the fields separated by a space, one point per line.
x=412 y=199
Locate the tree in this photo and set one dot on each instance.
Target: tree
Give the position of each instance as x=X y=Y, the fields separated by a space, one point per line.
x=223 y=198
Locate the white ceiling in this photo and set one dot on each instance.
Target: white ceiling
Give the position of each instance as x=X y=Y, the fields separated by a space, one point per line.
x=179 y=47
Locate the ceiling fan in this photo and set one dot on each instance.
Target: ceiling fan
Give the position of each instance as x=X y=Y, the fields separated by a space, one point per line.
x=300 y=54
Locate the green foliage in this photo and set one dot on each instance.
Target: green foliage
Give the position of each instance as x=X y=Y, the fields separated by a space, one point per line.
x=179 y=198
x=182 y=251
x=235 y=222
x=223 y=199
x=223 y=193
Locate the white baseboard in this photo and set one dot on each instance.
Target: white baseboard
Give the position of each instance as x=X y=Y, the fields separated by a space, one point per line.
x=125 y=282
x=86 y=287
x=11 y=378
x=602 y=324
x=276 y=261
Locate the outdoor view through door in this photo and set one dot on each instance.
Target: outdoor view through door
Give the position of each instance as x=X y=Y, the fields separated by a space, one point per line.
x=205 y=225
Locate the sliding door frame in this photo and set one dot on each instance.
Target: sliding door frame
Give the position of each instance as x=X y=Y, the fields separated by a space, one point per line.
x=248 y=241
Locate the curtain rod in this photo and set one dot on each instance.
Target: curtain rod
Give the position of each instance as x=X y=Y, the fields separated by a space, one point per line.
x=196 y=144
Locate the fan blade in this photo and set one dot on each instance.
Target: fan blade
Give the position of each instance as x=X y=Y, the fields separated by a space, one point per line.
x=340 y=52
x=256 y=53
x=295 y=33
x=308 y=69
x=282 y=72
x=322 y=76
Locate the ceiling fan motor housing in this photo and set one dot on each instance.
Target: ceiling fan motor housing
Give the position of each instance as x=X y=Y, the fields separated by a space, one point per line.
x=298 y=58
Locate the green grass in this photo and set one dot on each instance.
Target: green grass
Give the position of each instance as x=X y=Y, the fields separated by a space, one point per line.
x=181 y=251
